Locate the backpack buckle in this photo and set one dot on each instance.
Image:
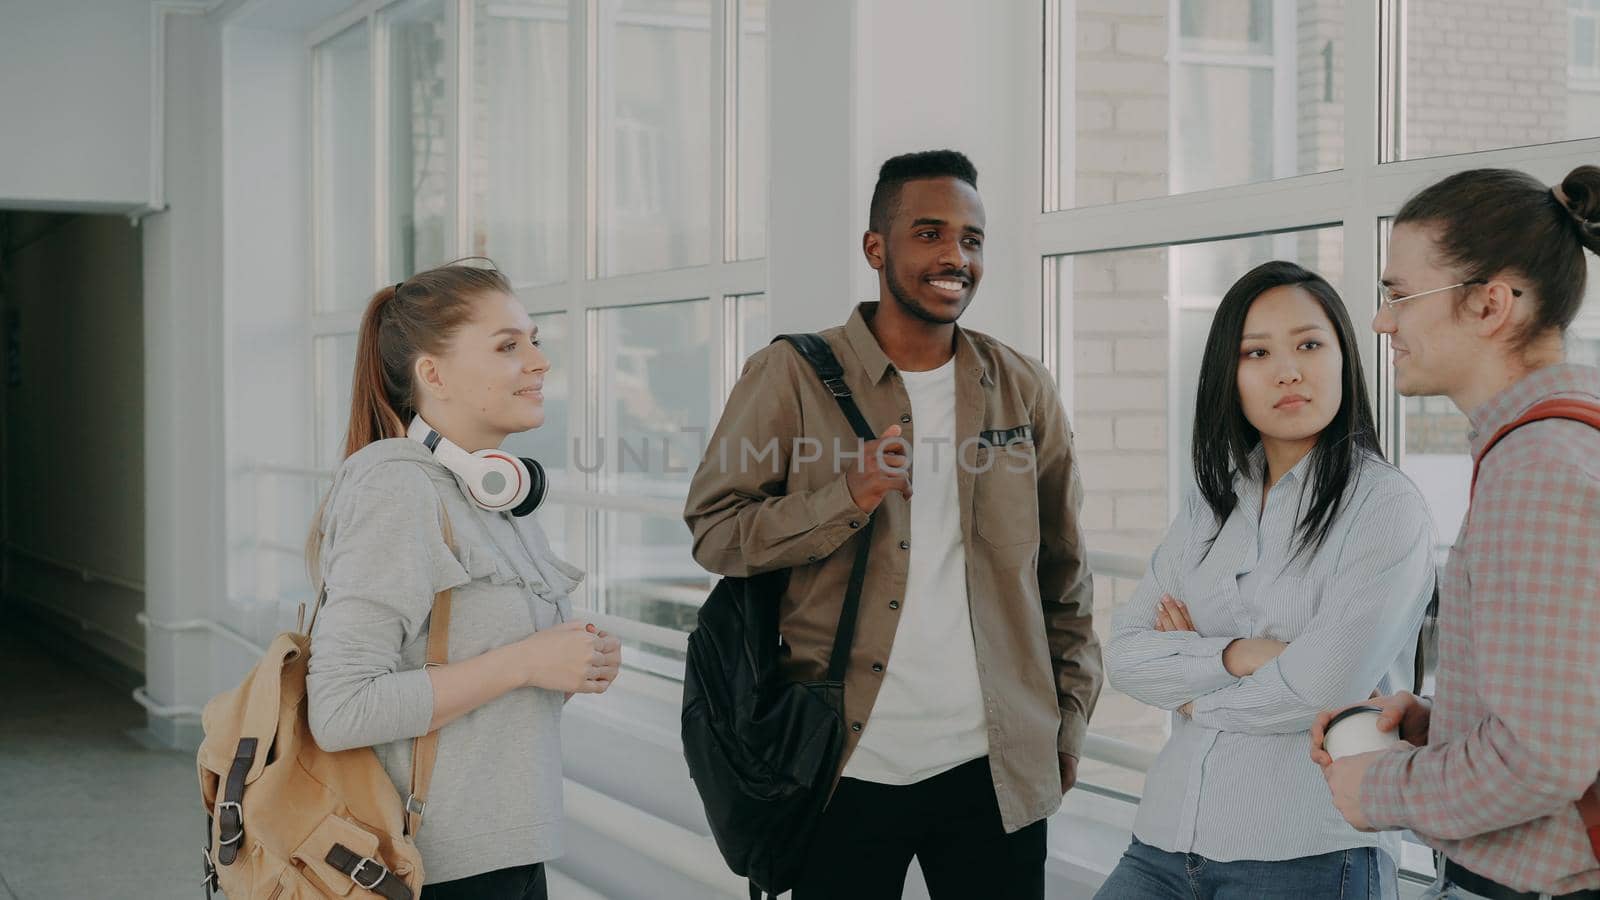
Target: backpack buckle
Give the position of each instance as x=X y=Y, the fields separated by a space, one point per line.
x=836 y=386
x=209 y=878
x=238 y=812
x=414 y=807
x=355 y=874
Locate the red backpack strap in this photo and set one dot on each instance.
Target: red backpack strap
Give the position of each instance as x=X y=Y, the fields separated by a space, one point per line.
x=1576 y=410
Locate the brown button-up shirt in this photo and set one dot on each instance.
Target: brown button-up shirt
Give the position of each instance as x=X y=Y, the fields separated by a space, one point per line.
x=770 y=494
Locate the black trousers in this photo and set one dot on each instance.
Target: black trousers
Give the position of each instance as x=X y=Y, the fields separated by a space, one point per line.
x=517 y=883
x=950 y=823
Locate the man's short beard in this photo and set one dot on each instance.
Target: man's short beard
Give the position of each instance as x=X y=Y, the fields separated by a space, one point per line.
x=899 y=292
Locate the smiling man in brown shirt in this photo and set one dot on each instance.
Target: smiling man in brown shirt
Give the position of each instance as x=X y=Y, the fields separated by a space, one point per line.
x=974 y=667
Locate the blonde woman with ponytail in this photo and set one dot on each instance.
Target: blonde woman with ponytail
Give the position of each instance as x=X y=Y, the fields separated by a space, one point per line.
x=453 y=346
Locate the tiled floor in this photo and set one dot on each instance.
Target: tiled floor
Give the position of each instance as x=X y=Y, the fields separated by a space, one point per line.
x=85 y=810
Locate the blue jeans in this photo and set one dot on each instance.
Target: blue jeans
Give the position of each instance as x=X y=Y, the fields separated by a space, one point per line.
x=1145 y=873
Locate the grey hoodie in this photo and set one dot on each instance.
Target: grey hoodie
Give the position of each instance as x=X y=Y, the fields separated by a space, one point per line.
x=495 y=800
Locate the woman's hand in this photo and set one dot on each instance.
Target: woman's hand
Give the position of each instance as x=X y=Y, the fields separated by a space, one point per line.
x=571 y=657
x=1172 y=615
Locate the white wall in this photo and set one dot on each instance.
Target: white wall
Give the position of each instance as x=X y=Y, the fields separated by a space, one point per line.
x=76 y=104
x=185 y=541
x=900 y=75
x=266 y=283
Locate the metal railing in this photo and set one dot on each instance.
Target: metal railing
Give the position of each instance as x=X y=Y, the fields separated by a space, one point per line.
x=1098 y=747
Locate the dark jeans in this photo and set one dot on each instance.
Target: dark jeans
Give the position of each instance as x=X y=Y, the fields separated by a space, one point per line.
x=950 y=823
x=1145 y=873
x=518 y=883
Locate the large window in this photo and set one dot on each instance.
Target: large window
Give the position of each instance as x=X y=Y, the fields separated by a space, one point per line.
x=1183 y=142
x=619 y=181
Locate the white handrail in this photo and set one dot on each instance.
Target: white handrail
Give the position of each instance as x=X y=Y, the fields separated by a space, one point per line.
x=164 y=712
x=83 y=572
x=679 y=849
x=214 y=627
x=660 y=636
x=1098 y=747
x=1121 y=754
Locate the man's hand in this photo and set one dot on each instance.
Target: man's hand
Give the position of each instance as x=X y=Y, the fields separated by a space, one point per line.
x=1069 y=772
x=1344 y=782
x=1404 y=711
x=884 y=468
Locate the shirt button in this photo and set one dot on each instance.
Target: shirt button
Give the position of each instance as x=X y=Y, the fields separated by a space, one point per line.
x=877 y=667
x=905 y=419
x=854 y=524
x=894 y=604
x=905 y=545
x=856 y=727
x=811 y=559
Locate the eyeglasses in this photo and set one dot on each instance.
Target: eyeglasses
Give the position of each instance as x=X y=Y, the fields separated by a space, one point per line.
x=1391 y=301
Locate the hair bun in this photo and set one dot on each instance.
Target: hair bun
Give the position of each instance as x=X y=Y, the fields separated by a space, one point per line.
x=1579 y=195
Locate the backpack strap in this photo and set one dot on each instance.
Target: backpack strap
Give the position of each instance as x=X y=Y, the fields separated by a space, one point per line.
x=1575 y=410
x=425 y=749
x=229 y=809
x=367 y=873
x=1588 y=414
x=816 y=351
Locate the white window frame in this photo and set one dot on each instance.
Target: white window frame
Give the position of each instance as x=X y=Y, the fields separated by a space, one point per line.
x=584 y=294
x=1374 y=183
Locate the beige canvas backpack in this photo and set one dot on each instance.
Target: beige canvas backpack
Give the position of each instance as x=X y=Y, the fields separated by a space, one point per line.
x=288 y=820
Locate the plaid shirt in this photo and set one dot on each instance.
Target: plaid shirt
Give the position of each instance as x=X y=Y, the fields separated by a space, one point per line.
x=1515 y=733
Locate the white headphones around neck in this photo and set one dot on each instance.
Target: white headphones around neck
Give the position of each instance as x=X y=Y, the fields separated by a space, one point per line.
x=493 y=479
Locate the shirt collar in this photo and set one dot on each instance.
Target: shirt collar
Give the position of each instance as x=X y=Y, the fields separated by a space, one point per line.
x=877 y=363
x=1537 y=386
x=1249 y=480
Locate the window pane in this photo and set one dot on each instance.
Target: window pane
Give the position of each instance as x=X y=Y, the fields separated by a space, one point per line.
x=336 y=365
x=649 y=574
x=1250 y=93
x=421 y=93
x=1225 y=26
x=1489 y=75
x=1138 y=321
x=657 y=383
x=755 y=325
x=655 y=132
x=519 y=165
x=752 y=128
x=344 y=170
x=1226 y=126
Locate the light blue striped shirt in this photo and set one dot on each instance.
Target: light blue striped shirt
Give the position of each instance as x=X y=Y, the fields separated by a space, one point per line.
x=1237 y=780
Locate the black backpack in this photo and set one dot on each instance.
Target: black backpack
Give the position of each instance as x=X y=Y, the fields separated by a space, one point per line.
x=763 y=751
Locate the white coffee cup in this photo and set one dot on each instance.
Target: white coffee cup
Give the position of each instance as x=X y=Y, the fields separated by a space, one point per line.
x=1355 y=730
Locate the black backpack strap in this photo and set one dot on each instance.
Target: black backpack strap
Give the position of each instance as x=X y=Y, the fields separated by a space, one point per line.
x=816 y=351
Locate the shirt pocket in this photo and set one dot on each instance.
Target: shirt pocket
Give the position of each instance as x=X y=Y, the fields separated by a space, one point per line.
x=1285 y=607
x=1005 y=488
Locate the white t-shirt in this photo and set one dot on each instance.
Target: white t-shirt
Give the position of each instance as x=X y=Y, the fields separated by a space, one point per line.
x=929 y=715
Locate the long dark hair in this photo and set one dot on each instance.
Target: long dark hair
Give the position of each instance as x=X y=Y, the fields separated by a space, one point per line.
x=1224 y=439
x=1489 y=221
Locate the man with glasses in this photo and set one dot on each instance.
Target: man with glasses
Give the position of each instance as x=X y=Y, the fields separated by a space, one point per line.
x=1486 y=271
